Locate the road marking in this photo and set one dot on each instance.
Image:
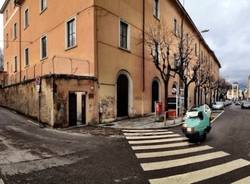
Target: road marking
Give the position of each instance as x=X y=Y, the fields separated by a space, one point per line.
x=161 y=146
x=217 y=117
x=200 y=175
x=152 y=166
x=148 y=133
x=158 y=141
x=243 y=181
x=172 y=153
x=152 y=137
x=141 y=130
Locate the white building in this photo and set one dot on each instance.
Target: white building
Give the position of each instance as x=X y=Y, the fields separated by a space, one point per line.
x=235 y=93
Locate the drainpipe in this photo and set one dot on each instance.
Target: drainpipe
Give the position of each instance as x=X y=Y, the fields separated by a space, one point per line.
x=143 y=48
x=20 y=43
x=143 y=54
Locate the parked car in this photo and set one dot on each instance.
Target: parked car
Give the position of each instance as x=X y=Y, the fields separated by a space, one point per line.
x=204 y=107
x=227 y=103
x=245 y=105
x=237 y=103
x=218 y=106
x=197 y=125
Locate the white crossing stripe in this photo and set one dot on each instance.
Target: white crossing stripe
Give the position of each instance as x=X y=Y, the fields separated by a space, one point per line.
x=172 y=153
x=217 y=117
x=148 y=133
x=152 y=137
x=158 y=141
x=1 y=181
x=200 y=175
x=161 y=146
x=243 y=181
x=146 y=130
x=183 y=161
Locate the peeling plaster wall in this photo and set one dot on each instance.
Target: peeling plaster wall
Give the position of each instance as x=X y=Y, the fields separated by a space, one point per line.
x=24 y=98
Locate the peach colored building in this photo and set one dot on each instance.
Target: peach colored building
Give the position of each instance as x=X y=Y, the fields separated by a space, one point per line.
x=87 y=59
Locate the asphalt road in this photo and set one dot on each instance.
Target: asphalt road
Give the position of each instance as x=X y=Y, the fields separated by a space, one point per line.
x=167 y=157
x=29 y=154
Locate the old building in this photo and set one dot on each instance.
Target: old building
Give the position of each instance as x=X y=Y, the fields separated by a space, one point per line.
x=86 y=60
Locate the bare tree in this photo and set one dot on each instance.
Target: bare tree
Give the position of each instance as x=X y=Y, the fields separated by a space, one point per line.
x=202 y=77
x=159 y=41
x=222 y=88
x=186 y=66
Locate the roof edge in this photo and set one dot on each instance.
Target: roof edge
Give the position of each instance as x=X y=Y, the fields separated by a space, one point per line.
x=199 y=34
x=4 y=6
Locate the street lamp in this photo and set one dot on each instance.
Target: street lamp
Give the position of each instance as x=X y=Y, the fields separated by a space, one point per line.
x=205 y=31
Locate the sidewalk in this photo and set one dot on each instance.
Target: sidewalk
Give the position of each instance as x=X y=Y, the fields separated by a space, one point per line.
x=143 y=123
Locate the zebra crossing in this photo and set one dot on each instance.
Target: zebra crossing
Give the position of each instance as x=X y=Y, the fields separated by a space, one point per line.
x=162 y=151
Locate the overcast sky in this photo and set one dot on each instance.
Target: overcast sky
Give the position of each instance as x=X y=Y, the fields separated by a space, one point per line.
x=228 y=21
x=229 y=33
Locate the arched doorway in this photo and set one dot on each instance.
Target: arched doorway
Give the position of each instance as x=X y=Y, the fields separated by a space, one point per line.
x=155 y=94
x=122 y=95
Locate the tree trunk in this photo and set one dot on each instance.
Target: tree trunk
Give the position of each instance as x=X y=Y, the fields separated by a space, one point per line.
x=195 y=96
x=185 y=98
x=205 y=95
x=199 y=95
x=166 y=94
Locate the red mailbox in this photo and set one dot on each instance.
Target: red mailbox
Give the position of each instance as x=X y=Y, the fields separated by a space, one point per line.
x=158 y=108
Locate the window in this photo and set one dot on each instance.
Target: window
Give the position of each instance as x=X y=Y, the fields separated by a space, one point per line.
x=71 y=33
x=6 y=15
x=187 y=39
x=26 y=18
x=15 y=31
x=43 y=47
x=195 y=49
x=156 y=10
x=7 y=41
x=124 y=37
x=15 y=64
x=43 y=5
x=26 y=56
x=175 y=27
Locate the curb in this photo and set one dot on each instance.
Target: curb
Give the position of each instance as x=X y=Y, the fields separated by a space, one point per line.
x=141 y=128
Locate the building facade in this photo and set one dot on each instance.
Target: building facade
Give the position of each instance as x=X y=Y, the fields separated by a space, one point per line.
x=86 y=60
x=248 y=88
x=235 y=93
